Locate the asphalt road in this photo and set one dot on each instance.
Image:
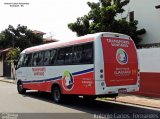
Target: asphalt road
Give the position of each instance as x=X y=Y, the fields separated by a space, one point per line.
x=40 y=105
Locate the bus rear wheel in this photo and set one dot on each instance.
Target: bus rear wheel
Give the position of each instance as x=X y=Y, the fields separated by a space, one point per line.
x=20 y=88
x=56 y=94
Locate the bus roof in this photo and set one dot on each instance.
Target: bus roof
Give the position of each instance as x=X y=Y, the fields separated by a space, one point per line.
x=78 y=40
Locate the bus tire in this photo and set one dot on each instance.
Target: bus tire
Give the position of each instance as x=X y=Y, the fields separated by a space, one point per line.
x=20 y=88
x=57 y=95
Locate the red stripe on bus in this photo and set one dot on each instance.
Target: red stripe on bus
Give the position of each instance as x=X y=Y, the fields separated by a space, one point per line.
x=83 y=84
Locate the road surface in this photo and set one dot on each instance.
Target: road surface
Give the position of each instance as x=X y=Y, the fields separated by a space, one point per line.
x=41 y=104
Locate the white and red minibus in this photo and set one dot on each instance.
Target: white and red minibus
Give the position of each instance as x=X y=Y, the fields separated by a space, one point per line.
x=95 y=65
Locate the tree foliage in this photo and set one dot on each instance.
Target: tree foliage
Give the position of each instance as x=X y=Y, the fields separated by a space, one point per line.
x=20 y=37
x=103 y=18
x=13 y=55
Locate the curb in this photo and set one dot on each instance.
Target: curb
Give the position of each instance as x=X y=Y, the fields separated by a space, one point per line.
x=8 y=81
x=125 y=102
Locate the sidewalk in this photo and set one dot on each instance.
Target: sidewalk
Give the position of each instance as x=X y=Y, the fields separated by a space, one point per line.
x=7 y=80
x=137 y=100
x=123 y=98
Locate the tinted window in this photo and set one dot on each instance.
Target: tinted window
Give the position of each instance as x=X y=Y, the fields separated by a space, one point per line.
x=83 y=54
x=27 y=60
x=64 y=56
x=68 y=55
x=80 y=54
x=60 y=57
x=87 y=54
x=20 y=61
x=53 y=56
x=35 y=59
x=46 y=57
x=40 y=58
x=77 y=54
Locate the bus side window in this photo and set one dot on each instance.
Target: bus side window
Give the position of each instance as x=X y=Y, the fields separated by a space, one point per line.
x=87 y=57
x=68 y=55
x=20 y=61
x=77 y=54
x=46 y=57
x=40 y=58
x=27 y=60
x=53 y=56
x=60 y=57
x=35 y=59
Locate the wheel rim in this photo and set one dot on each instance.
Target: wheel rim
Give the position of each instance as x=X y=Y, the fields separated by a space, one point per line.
x=57 y=95
x=20 y=87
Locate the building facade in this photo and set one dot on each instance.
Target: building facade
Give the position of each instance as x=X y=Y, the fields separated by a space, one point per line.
x=147 y=12
x=5 y=67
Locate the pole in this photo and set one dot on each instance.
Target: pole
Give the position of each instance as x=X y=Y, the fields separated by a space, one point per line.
x=12 y=40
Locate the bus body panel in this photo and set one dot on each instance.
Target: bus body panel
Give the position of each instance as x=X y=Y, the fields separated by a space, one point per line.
x=42 y=78
x=99 y=65
x=120 y=61
x=112 y=76
x=21 y=73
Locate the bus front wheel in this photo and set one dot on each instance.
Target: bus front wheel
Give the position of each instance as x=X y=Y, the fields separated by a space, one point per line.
x=56 y=94
x=20 y=88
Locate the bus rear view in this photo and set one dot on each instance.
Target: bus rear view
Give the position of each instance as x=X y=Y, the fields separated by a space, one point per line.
x=116 y=65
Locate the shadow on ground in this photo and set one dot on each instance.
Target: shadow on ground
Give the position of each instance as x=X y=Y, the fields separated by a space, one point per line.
x=96 y=106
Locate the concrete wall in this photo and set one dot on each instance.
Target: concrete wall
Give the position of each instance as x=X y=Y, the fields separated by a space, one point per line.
x=148 y=17
x=149 y=84
x=149 y=60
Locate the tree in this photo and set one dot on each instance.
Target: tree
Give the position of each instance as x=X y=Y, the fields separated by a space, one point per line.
x=19 y=37
x=103 y=18
x=13 y=55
